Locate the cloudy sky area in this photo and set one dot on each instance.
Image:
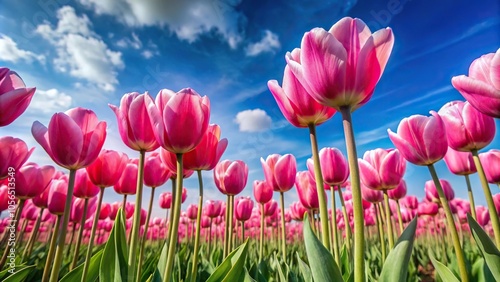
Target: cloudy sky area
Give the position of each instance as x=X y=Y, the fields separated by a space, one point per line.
x=89 y=53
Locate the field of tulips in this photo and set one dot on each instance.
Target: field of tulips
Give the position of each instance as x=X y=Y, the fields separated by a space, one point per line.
x=354 y=221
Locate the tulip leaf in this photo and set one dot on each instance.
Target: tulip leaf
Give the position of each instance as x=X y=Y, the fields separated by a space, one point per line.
x=481 y=272
x=19 y=275
x=490 y=253
x=444 y=272
x=93 y=271
x=232 y=267
x=304 y=269
x=321 y=262
x=160 y=268
x=396 y=265
x=114 y=265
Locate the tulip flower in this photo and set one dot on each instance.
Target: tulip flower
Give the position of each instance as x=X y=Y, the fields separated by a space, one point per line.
x=491 y=161
x=306 y=190
x=211 y=209
x=13 y=153
x=397 y=194
x=482 y=87
x=243 y=212
x=14 y=96
x=263 y=193
x=422 y=141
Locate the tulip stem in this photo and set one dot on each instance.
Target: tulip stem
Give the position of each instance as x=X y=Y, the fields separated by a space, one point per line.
x=92 y=235
x=400 y=218
x=262 y=227
x=194 y=270
x=136 y=225
x=231 y=227
x=283 y=234
x=388 y=220
x=61 y=240
x=471 y=197
x=380 y=231
x=347 y=226
x=489 y=199
x=451 y=225
x=80 y=235
x=33 y=236
x=17 y=216
x=52 y=250
x=226 y=229
x=145 y=235
x=171 y=218
x=320 y=188
x=176 y=205
x=334 y=226
x=359 y=235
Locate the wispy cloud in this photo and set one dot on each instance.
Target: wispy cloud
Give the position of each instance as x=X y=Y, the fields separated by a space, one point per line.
x=369 y=136
x=432 y=93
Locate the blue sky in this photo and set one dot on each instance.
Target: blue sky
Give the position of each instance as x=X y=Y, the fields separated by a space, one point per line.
x=89 y=53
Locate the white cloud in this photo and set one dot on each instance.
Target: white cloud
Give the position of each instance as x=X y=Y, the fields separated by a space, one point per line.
x=253 y=120
x=9 y=52
x=50 y=101
x=268 y=44
x=80 y=52
x=133 y=42
x=187 y=19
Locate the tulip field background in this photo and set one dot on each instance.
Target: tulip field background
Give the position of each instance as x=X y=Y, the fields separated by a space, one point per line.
x=235 y=140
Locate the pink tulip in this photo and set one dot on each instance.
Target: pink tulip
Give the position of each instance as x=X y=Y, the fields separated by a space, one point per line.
x=431 y=193
x=127 y=183
x=134 y=125
x=184 y=195
x=371 y=195
x=14 y=96
x=306 y=189
x=231 y=177
x=32 y=180
x=57 y=195
x=491 y=165
x=399 y=192
x=105 y=211
x=170 y=160
x=4 y=197
x=212 y=208
x=84 y=188
x=496 y=201
x=460 y=163
x=483 y=216
x=427 y=208
x=165 y=200
x=280 y=171
x=192 y=211
x=467 y=129
x=77 y=209
x=334 y=167
x=410 y=202
x=243 y=208
x=13 y=153
x=420 y=139
x=341 y=67
x=482 y=87
x=73 y=139
x=208 y=152
x=107 y=168
x=298 y=211
x=382 y=169
x=262 y=192
x=155 y=171
x=174 y=113
x=270 y=207
x=296 y=104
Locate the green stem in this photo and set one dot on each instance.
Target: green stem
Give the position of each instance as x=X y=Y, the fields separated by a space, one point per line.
x=194 y=270
x=145 y=234
x=310 y=217
x=451 y=226
x=400 y=218
x=320 y=188
x=262 y=227
x=61 y=240
x=92 y=236
x=380 y=231
x=388 y=221
x=334 y=226
x=210 y=236
x=17 y=216
x=136 y=225
x=52 y=250
x=226 y=229
x=347 y=226
x=19 y=239
x=489 y=199
x=171 y=218
x=33 y=236
x=71 y=238
x=80 y=235
x=471 y=197
x=231 y=227
x=176 y=205
x=283 y=234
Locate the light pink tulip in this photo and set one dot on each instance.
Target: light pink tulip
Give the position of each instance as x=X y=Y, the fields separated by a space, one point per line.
x=491 y=165
x=382 y=169
x=431 y=193
x=460 y=163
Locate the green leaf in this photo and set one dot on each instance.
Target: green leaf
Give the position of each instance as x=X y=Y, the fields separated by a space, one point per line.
x=396 y=265
x=114 y=265
x=323 y=267
x=232 y=267
x=444 y=272
x=490 y=253
x=19 y=275
x=160 y=268
x=304 y=269
x=93 y=271
x=480 y=272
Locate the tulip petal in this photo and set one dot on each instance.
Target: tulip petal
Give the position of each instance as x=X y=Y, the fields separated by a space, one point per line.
x=482 y=96
x=495 y=70
x=369 y=175
x=14 y=103
x=65 y=139
x=41 y=135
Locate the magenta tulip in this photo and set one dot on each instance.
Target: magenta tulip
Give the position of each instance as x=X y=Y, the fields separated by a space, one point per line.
x=280 y=171
x=243 y=208
x=427 y=208
x=156 y=172
x=212 y=208
x=57 y=196
x=371 y=195
x=334 y=167
x=467 y=129
x=262 y=192
x=4 y=197
x=410 y=202
x=491 y=165
x=127 y=183
x=306 y=189
x=165 y=200
x=208 y=152
x=84 y=188
x=460 y=163
x=231 y=177
x=107 y=168
x=399 y=192
x=431 y=193
x=32 y=180
x=341 y=67
x=382 y=169
x=482 y=87
x=14 y=96
x=298 y=211
x=73 y=139
x=420 y=139
x=13 y=153
x=192 y=211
